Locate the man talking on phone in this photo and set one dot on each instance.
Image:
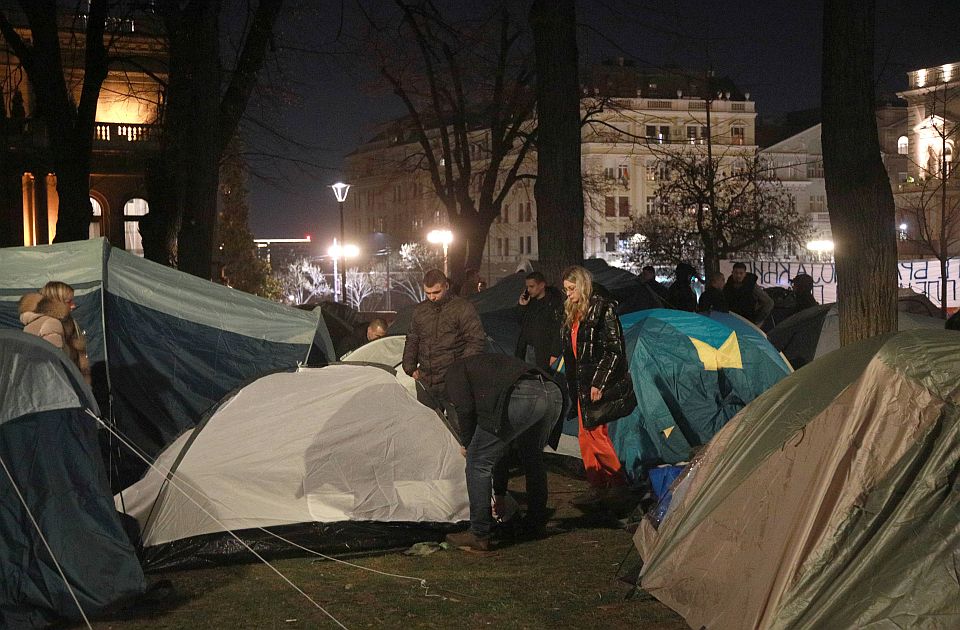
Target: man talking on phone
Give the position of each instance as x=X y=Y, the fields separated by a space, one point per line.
x=540 y=311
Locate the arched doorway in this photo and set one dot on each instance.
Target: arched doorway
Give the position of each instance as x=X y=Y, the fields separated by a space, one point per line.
x=96 y=221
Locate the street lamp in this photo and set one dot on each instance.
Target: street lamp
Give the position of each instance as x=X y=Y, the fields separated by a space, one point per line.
x=336 y=252
x=444 y=237
x=340 y=191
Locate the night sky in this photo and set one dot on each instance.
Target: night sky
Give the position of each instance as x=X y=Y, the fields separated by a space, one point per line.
x=323 y=101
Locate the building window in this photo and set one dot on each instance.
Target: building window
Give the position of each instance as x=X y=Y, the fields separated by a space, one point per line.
x=815 y=170
x=651 y=205
x=691 y=134
x=609 y=173
x=609 y=207
x=505 y=217
x=624 y=206
x=903 y=145
x=623 y=173
x=818 y=203
x=96 y=229
x=650 y=171
x=529 y=243
x=738 y=135
x=521 y=244
x=658 y=134
x=506 y=247
x=610 y=242
x=132 y=211
x=499 y=247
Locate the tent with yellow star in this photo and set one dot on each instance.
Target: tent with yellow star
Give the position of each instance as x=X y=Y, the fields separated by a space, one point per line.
x=691 y=374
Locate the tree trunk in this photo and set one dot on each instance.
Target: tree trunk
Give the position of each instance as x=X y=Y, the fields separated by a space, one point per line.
x=860 y=202
x=186 y=174
x=559 y=187
x=711 y=257
x=73 y=190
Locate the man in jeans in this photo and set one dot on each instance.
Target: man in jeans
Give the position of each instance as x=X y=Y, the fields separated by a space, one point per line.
x=499 y=401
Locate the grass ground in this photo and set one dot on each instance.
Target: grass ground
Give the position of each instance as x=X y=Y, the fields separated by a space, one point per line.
x=567 y=580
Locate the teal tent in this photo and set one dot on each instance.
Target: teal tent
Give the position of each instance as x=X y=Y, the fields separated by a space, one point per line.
x=56 y=511
x=163 y=345
x=691 y=374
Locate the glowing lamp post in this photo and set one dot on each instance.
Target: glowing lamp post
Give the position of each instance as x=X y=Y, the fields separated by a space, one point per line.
x=444 y=237
x=340 y=191
x=341 y=253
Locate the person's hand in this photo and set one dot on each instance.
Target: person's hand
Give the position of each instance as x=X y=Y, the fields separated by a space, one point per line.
x=416 y=375
x=595 y=394
x=524 y=299
x=463 y=451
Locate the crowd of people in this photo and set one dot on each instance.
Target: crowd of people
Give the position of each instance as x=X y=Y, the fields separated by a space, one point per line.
x=504 y=406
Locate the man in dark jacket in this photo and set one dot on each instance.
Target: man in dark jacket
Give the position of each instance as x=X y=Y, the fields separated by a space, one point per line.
x=745 y=297
x=648 y=277
x=712 y=298
x=803 y=292
x=681 y=295
x=540 y=310
x=443 y=329
x=500 y=400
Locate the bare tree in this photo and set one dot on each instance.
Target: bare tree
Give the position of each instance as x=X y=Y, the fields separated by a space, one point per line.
x=931 y=203
x=69 y=121
x=303 y=281
x=200 y=115
x=469 y=109
x=715 y=207
x=360 y=286
x=558 y=190
x=859 y=198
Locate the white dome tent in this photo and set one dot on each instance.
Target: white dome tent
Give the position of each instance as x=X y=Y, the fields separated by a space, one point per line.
x=332 y=449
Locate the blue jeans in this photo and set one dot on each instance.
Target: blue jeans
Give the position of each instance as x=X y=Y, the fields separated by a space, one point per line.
x=533 y=409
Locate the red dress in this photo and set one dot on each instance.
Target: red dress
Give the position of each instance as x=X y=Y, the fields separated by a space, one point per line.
x=600 y=461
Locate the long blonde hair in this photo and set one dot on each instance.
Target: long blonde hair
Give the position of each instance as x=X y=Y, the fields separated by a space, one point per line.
x=583 y=281
x=56 y=290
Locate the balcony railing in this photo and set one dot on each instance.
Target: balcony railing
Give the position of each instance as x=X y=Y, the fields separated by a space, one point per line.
x=116 y=133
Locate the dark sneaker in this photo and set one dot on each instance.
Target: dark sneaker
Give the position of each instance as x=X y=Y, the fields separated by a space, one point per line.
x=468 y=540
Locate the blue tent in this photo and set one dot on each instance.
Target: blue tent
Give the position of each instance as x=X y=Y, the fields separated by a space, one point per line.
x=54 y=491
x=691 y=374
x=163 y=345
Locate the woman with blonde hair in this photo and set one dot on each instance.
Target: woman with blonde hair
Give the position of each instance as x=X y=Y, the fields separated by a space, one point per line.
x=47 y=314
x=597 y=375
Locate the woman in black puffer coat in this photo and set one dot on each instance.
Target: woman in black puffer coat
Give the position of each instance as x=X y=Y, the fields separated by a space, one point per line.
x=596 y=367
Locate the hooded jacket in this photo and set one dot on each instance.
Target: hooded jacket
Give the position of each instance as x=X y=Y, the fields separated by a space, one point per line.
x=51 y=320
x=600 y=362
x=440 y=333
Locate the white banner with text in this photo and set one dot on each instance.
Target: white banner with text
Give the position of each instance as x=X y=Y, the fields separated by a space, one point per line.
x=923 y=276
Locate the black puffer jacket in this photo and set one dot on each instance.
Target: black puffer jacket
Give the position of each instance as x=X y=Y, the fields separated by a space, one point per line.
x=440 y=333
x=600 y=362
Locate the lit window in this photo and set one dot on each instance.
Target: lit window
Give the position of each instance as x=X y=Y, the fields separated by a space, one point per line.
x=738 y=135
x=132 y=211
x=903 y=145
x=96 y=231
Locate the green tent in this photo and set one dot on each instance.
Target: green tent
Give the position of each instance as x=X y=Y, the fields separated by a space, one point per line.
x=831 y=501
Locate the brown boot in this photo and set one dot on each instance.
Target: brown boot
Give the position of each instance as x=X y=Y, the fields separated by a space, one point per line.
x=468 y=540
